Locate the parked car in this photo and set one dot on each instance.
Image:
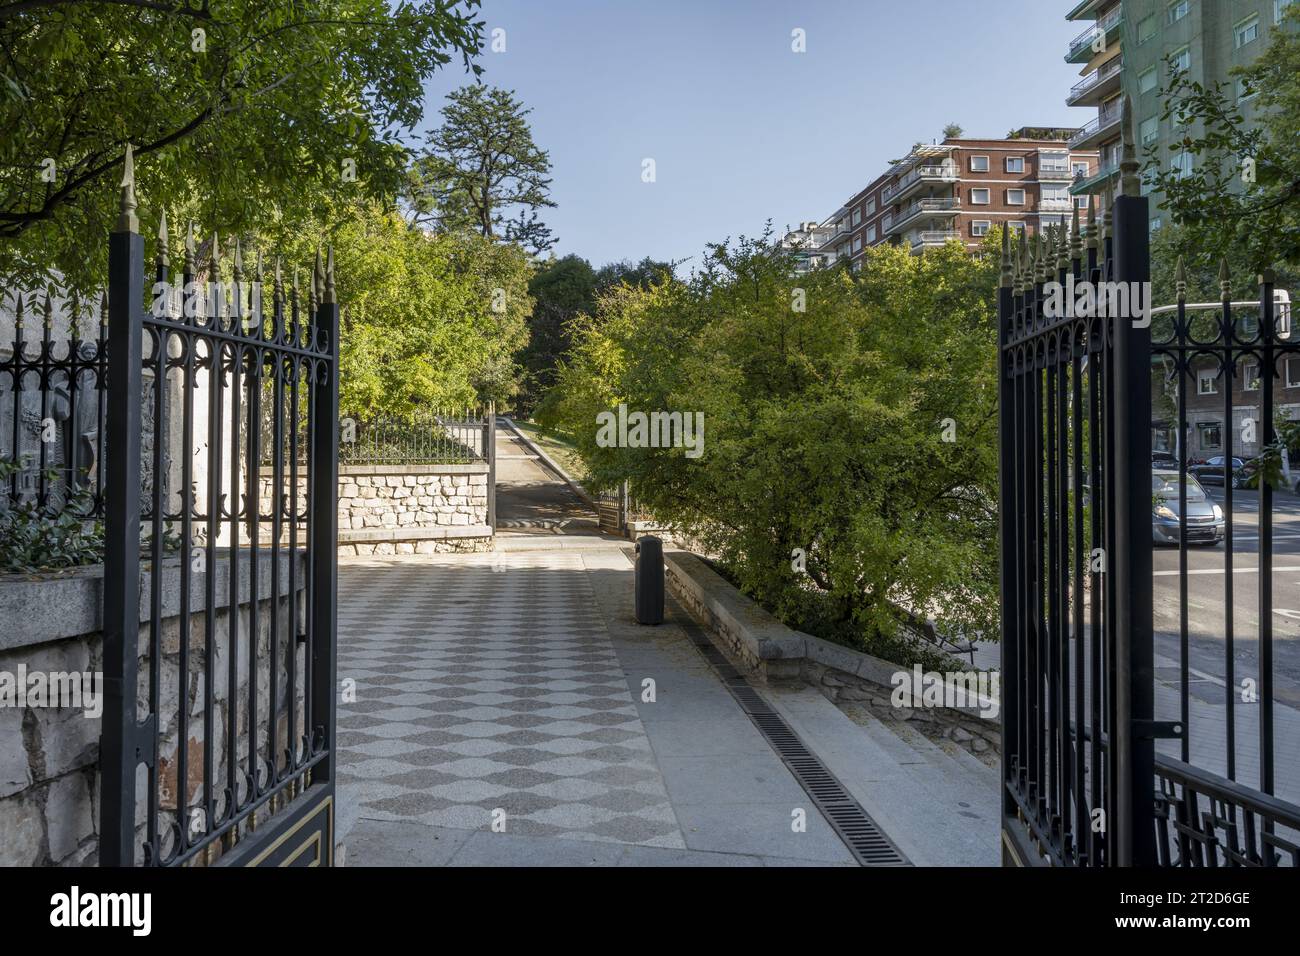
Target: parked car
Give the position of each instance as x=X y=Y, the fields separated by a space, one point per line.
x=1210 y=472
x=1163 y=459
x=1205 y=522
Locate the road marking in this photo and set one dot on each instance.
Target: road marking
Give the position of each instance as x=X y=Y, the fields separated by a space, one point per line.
x=1288 y=567
x=1287 y=612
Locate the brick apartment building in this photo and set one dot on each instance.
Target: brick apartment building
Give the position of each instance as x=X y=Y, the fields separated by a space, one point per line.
x=959 y=189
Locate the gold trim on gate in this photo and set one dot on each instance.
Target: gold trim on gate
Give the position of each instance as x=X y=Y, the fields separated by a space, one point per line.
x=313 y=842
x=326 y=804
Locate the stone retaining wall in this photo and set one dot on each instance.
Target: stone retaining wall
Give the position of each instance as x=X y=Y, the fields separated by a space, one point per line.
x=771 y=651
x=49 y=756
x=408 y=509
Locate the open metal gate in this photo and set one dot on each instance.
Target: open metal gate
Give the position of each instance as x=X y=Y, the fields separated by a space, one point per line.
x=1098 y=768
x=221 y=570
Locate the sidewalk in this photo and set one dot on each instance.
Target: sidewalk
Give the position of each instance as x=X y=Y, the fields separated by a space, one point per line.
x=511 y=683
x=502 y=714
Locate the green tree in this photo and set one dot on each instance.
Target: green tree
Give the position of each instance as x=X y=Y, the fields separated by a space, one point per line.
x=824 y=430
x=480 y=167
x=428 y=319
x=1242 y=195
x=561 y=290
x=242 y=113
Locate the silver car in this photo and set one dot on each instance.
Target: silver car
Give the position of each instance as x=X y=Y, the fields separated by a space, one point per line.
x=1205 y=524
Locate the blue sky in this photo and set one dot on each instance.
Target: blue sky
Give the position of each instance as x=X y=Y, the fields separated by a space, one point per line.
x=740 y=127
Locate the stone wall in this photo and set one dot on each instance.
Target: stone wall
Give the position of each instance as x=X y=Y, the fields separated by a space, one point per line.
x=770 y=651
x=408 y=509
x=49 y=756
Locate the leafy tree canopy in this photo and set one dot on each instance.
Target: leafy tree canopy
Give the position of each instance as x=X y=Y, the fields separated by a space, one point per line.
x=823 y=429
x=241 y=112
x=429 y=319
x=481 y=167
x=1241 y=197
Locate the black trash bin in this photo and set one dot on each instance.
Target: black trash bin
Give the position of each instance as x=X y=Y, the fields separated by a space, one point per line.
x=649 y=580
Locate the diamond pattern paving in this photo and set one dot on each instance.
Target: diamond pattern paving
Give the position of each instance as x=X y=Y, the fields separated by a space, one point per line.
x=488 y=682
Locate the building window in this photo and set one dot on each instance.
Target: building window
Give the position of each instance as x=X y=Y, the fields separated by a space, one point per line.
x=1149 y=130
x=1083 y=202
x=1147 y=80
x=1156 y=223
x=1293 y=373
x=979 y=197
x=1207 y=382
x=1244 y=91
x=1182 y=59
x=1055 y=193
x=1178 y=9
x=1015 y=197
x=871 y=233
x=1210 y=434
x=1146 y=28
x=979 y=164
x=1247 y=31
x=1250 y=376
x=857 y=244
x=1015 y=164
x=871 y=207
x=1080 y=169
x=980 y=227
x=1181 y=163
x=1017 y=228
x=857 y=216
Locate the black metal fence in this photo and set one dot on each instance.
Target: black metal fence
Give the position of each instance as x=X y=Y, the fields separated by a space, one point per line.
x=52 y=401
x=1090 y=776
x=219 y=631
x=432 y=436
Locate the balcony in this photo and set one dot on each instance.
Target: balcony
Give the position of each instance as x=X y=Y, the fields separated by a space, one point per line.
x=1097 y=85
x=1105 y=126
x=933 y=238
x=1089 y=183
x=841 y=228
x=1055 y=172
x=1081 y=46
x=918 y=177
x=1055 y=205
x=949 y=205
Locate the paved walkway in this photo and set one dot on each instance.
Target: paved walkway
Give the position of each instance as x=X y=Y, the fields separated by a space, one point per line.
x=504 y=714
x=501 y=695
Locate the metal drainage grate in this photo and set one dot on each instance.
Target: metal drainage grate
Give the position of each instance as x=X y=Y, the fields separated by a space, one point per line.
x=853 y=824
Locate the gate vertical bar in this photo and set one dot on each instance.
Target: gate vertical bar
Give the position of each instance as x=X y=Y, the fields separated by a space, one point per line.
x=1134 y=649
x=118 y=739
x=1008 y=511
x=1265 y=671
x=324 y=469
x=491 y=454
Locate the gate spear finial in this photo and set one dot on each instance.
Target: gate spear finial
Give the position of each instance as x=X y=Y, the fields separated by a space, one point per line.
x=1180 y=280
x=1128 y=164
x=126 y=218
x=162 y=238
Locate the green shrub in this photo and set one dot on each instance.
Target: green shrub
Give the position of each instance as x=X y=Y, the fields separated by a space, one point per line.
x=32 y=539
x=824 y=431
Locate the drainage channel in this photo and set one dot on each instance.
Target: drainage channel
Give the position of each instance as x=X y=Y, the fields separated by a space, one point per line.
x=860 y=834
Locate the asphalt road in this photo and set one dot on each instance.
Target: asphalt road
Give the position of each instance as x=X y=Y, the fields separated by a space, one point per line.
x=1208 y=594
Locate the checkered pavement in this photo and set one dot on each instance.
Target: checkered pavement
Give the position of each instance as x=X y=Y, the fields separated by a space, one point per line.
x=485 y=683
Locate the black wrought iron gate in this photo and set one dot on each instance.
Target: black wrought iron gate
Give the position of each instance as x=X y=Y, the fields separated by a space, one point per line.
x=220 y=572
x=1089 y=773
